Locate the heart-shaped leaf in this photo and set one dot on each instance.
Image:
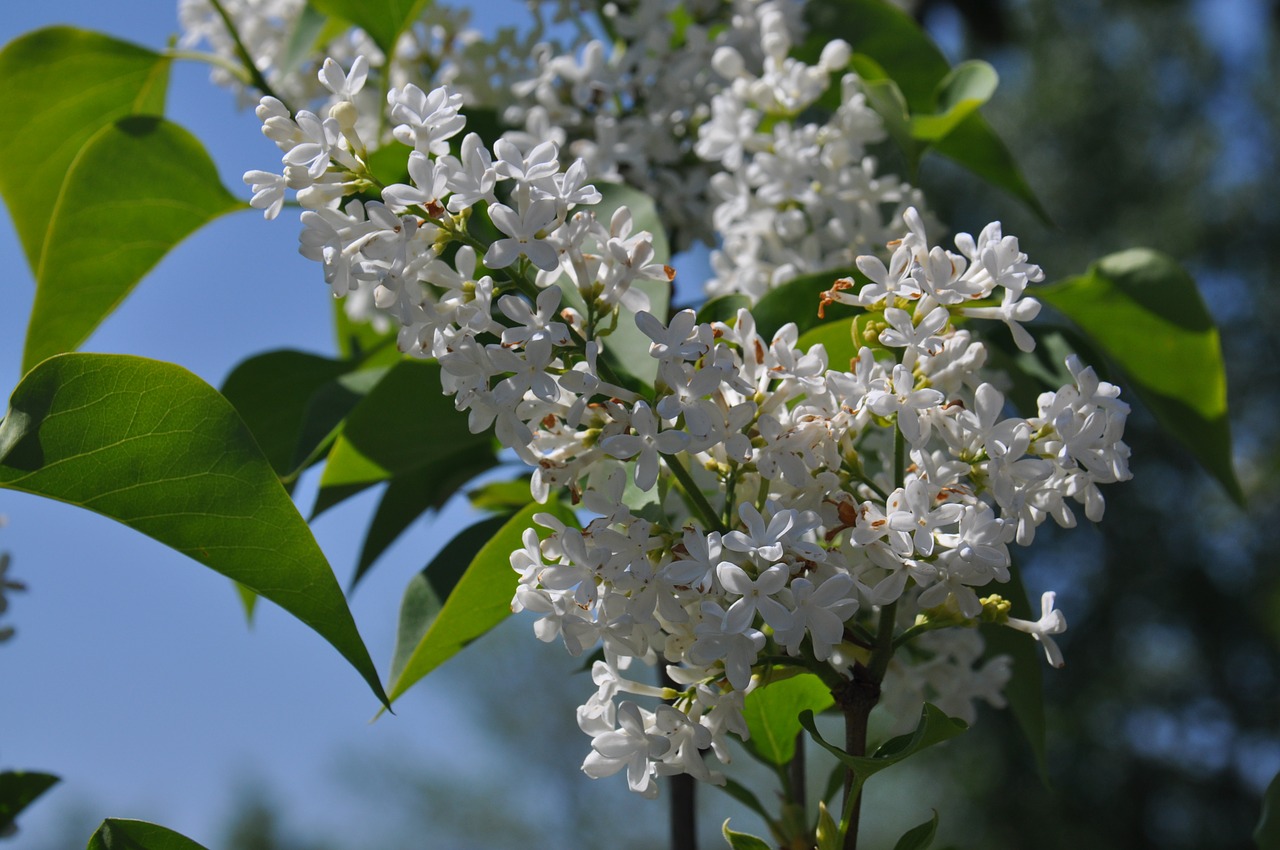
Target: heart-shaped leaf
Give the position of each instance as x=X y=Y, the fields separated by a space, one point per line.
x=152 y=446
x=62 y=86
x=136 y=188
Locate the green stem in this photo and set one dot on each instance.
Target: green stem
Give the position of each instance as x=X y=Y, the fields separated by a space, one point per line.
x=255 y=76
x=694 y=495
x=213 y=59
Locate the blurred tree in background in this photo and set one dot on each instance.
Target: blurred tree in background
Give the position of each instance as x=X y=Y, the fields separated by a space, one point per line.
x=1149 y=122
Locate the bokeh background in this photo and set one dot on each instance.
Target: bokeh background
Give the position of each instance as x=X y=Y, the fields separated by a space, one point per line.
x=134 y=677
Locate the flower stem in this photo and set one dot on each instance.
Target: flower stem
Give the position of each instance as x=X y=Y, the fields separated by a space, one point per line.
x=684 y=815
x=255 y=76
x=694 y=495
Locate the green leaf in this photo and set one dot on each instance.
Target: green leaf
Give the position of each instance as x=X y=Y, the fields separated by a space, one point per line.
x=827 y=832
x=501 y=496
x=383 y=20
x=967 y=87
x=410 y=495
x=1267 y=834
x=138 y=835
x=19 y=789
x=405 y=424
x=152 y=446
x=934 y=728
x=973 y=144
x=746 y=797
x=884 y=96
x=429 y=589
x=743 y=841
x=1145 y=313
x=919 y=837
x=888 y=35
x=908 y=57
x=62 y=85
x=723 y=308
x=798 y=301
x=772 y=713
x=272 y=392
x=305 y=38
x=476 y=602
x=627 y=348
x=1025 y=690
x=135 y=189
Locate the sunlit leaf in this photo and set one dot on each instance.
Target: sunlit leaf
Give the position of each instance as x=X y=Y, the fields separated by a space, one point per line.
x=19 y=789
x=967 y=87
x=62 y=86
x=430 y=588
x=117 y=834
x=772 y=713
x=501 y=496
x=1144 y=312
x=152 y=446
x=383 y=20
x=476 y=601
x=135 y=189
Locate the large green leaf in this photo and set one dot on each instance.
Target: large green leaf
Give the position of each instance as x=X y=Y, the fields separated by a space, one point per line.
x=1144 y=312
x=772 y=713
x=412 y=494
x=405 y=424
x=272 y=393
x=968 y=86
x=135 y=189
x=934 y=728
x=383 y=20
x=973 y=144
x=115 y=834
x=152 y=446
x=429 y=589
x=19 y=789
x=60 y=86
x=895 y=43
x=888 y=35
x=476 y=601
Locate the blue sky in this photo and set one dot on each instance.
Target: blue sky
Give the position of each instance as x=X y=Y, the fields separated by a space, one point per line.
x=133 y=675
